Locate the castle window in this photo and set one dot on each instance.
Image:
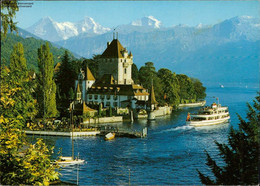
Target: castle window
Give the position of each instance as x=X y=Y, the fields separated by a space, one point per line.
x=125 y=70
x=115 y=97
x=125 y=60
x=90 y=96
x=96 y=97
x=115 y=104
x=108 y=104
x=102 y=97
x=108 y=97
x=121 y=60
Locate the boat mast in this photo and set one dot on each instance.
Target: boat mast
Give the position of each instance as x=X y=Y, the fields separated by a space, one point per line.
x=72 y=143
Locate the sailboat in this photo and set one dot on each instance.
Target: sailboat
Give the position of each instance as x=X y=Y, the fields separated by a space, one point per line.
x=70 y=160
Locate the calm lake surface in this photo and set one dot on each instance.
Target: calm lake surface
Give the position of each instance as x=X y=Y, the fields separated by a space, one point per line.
x=169 y=155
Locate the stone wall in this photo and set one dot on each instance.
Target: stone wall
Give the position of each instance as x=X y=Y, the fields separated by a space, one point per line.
x=103 y=120
x=162 y=111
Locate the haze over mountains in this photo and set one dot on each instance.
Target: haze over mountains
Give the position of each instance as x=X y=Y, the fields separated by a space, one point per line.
x=227 y=52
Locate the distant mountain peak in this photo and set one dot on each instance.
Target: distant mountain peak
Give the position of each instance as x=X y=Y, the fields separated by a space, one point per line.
x=147 y=21
x=48 y=29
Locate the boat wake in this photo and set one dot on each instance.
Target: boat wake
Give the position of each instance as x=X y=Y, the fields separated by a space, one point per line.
x=180 y=128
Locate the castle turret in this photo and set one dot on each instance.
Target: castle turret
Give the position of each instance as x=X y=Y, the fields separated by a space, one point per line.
x=79 y=94
x=89 y=78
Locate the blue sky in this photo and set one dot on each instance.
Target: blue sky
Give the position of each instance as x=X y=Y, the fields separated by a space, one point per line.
x=113 y=13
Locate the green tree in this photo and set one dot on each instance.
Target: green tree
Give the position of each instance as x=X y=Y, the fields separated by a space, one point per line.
x=65 y=81
x=147 y=75
x=17 y=77
x=100 y=110
x=240 y=154
x=186 y=88
x=110 y=112
x=170 y=86
x=199 y=89
x=135 y=73
x=46 y=96
x=20 y=162
x=8 y=12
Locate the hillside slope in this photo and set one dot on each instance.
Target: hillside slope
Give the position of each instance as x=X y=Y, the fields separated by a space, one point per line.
x=31 y=46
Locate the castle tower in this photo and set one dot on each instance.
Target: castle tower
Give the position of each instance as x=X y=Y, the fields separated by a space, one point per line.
x=116 y=61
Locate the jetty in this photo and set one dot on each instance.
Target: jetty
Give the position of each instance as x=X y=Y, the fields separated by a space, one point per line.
x=100 y=131
x=197 y=104
x=122 y=132
x=65 y=134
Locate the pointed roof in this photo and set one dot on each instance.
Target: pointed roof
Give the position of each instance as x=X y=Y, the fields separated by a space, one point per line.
x=106 y=79
x=78 y=89
x=113 y=50
x=86 y=108
x=88 y=75
x=152 y=99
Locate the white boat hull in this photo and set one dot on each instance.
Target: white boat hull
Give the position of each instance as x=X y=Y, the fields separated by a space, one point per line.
x=208 y=122
x=69 y=161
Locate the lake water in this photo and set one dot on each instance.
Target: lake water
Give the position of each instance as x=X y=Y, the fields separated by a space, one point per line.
x=170 y=154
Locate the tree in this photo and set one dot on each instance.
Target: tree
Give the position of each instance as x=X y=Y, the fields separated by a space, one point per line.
x=46 y=96
x=186 y=88
x=240 y=154
x=8 y=11
x=17 y=78
x=20 y=162
x=100 y=110
x=65 y=81
x=147 y=75
x=135 y=73
x=199 y=89
x=170 y=86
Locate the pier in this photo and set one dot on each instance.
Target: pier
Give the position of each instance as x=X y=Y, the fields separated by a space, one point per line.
x=100 y=131
x=122 y=132
x=65 y=134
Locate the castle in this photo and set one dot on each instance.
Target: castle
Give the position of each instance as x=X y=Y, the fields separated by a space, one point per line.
x=115 y=86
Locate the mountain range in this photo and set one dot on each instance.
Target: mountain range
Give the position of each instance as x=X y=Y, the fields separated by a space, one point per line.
x=227 y=52
x=48 y=29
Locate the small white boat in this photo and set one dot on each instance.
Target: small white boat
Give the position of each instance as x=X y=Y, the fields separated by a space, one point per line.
x=110 y=136
x=213 y=115
x=69 y=161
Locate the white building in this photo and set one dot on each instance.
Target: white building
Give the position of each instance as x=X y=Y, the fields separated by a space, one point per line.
x=115 y=88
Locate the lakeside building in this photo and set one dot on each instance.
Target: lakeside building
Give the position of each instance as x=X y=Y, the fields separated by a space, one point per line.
x=115 y=88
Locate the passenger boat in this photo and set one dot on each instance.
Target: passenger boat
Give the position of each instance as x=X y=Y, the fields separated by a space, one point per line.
x=110 y=136
x=209 y=115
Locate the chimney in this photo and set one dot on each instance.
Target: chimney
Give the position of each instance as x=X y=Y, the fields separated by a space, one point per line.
x=113 y=35
x=108 y=43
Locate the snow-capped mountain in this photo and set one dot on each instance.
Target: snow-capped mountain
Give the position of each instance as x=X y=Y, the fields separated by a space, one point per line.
x=145 y=24
x=148 y=21
x=48 y=29
x=226 y=51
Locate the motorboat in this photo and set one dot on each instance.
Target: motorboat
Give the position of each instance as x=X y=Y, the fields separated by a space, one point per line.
x=110 y=136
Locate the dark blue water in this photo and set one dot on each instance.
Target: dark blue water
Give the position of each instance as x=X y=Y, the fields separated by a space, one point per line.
x=169 y=155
